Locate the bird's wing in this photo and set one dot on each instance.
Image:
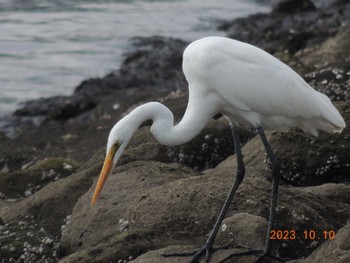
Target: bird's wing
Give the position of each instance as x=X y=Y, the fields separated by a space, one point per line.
x=270 y=88
x=243 y=77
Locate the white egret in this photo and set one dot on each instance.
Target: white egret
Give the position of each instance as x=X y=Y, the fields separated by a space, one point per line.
x=248 y=86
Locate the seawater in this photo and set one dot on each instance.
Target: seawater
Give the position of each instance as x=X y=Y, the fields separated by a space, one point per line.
x=48 y=47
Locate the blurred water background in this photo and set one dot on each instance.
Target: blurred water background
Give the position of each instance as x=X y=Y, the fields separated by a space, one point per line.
x=48 y=47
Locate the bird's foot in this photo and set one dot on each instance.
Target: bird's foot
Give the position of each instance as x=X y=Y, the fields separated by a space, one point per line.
x=261 y=254
x=206 y=250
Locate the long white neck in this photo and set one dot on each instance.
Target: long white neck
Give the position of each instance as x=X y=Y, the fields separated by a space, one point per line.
x=163 y=127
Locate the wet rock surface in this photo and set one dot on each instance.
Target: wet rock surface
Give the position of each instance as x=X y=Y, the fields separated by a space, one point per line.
x=25 y=241
x=165 y=199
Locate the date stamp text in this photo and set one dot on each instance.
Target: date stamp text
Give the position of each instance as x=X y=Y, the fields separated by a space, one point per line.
x=302 y=235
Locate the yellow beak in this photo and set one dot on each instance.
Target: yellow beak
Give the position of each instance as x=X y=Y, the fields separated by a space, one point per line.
x=106 y=170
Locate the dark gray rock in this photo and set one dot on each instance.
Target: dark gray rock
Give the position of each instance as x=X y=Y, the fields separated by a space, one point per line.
x=280 y=31
x=154 y=65
x=139 y=201
x=293 y=6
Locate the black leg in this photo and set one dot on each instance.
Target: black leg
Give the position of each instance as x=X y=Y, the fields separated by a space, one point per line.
x=207 y=249
x=275 y=178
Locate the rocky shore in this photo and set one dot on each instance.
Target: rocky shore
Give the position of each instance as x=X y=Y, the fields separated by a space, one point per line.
x=165 y=199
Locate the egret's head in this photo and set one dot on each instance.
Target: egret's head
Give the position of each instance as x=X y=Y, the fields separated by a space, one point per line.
x=118 y=139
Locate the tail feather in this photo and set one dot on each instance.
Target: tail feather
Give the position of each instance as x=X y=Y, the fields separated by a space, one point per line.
x=336 y=123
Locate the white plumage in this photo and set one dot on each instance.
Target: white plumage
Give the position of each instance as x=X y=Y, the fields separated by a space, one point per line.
x=248 y=86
